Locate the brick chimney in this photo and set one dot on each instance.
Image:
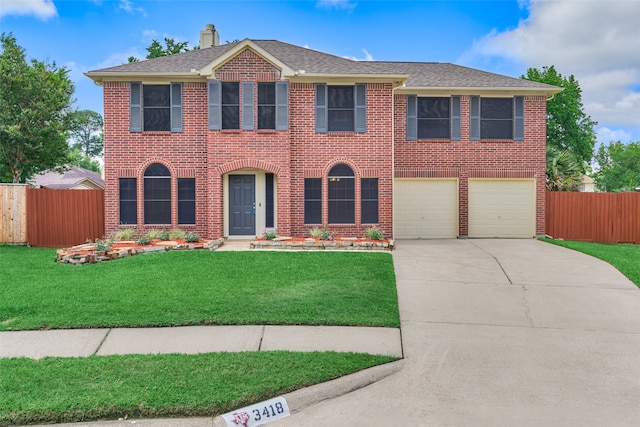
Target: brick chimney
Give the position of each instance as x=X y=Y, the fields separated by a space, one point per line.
x=209 y=37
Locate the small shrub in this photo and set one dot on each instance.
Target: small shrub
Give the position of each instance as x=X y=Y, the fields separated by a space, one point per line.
x=270 y=234
x=143 y=240
x=124 y=234
x=103 y=245
x=373 y=233
x=154 y=233
x=192 y=237
x=322 y=233
x=315 y=232
x=163 y=235
x=176 y=233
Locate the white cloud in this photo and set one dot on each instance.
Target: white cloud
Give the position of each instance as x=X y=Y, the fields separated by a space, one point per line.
x=149 y=34
x=117 y=58
x=337 y=4
x=367 y=56
x=596 y=41
x=127 y=6
x=606 y=135
x=43 y=9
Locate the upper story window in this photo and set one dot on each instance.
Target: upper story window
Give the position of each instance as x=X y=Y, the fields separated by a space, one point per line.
x=155 y=108
x=341 y=108
x=433 y=118
x=230 y=101
x=497 y=118
x=231 y=105
x=266 y=105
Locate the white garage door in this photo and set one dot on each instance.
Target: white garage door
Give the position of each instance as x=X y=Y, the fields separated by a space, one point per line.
x=502 y=208
x=425 y=208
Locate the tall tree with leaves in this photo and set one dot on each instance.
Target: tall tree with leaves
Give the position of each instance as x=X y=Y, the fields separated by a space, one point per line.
x=86 y=134
x=78 y=158
x=171 y=47
x=619 y=166
x=568 y=126
x=35 y=102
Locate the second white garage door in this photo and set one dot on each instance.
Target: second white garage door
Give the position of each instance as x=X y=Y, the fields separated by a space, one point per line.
x=502 y=208
x=425 y=208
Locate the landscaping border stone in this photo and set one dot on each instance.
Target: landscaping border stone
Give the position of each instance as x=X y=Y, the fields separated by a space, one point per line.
x=343 y=244
x=87 y=253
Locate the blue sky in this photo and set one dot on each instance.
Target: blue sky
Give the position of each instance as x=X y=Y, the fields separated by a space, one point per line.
x=597 y=41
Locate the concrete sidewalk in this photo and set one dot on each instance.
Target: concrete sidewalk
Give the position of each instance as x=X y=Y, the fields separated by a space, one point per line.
x=199 y=339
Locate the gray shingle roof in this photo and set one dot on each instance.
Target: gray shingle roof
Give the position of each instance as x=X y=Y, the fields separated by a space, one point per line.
x=420 y=74
x=68 y=179
x=445 y=75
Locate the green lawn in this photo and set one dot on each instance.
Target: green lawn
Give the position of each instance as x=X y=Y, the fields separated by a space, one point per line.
x=624 y=257
x=181 y=288
x=112 y=387
x=197 y=288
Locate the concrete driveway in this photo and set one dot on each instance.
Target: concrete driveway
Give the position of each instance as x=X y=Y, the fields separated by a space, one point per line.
x=503 y=333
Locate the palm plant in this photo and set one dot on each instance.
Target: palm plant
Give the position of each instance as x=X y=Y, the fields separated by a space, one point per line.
x=564 y=172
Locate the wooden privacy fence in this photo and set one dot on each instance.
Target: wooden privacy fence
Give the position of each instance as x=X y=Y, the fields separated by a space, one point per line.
x=594 y=217
x=13 y=214
x=50 y=218
x=59 y=218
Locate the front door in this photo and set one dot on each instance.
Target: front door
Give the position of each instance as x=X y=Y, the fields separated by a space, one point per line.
x=242 y=205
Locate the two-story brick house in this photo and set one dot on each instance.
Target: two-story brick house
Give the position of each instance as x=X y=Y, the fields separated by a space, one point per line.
x=232 y=139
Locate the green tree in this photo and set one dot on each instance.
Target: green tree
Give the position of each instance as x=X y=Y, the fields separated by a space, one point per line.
x=564 y=172
x=86 y=134
x=78 y=158
x=35 y=102
x=568 y=126
x=619 y=166
x=156 y=50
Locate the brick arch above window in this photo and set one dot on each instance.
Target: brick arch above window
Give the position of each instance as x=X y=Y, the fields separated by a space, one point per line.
x=143 y=167
x=327 y=168
x=249 y=164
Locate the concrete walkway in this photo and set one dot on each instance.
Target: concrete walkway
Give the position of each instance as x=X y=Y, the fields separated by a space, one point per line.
x=494 y=333
x=198 y=339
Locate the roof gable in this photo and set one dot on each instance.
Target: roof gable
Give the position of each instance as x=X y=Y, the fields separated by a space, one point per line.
x=246 y=44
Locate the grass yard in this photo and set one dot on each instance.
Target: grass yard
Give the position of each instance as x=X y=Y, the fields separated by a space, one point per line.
x=112 y=387
x=197 y=288
x=624 y=257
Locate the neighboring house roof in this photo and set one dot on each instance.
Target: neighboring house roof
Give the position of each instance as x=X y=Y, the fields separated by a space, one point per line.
x=76 y=178
x=298 y=63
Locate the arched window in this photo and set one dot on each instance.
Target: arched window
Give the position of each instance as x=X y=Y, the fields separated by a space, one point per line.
x=157 y=194
x=341 y=195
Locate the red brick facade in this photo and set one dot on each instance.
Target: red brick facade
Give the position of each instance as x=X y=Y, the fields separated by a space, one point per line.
x=300 y=152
